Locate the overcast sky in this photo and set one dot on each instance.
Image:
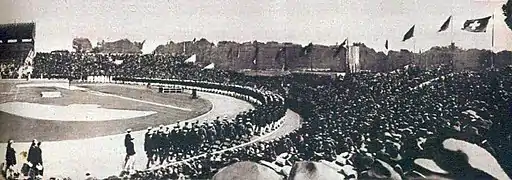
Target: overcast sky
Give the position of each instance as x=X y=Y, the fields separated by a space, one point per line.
x=299 y=21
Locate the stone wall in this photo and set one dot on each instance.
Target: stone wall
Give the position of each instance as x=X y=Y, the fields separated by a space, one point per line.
x=237 y=56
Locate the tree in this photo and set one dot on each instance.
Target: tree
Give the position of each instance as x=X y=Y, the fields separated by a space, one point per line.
x=507 y=11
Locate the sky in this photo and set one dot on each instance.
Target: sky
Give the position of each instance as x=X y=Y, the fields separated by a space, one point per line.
x=326 y=22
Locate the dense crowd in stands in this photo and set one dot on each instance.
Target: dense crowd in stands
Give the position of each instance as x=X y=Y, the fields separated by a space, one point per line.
x=354 y=120
x=394 y=117
x=8 y=70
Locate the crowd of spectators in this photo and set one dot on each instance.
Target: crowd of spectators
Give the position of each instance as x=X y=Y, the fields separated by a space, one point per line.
x=8 y=70
x=395 y=117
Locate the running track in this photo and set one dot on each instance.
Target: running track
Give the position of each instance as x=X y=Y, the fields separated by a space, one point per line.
x=103 y=156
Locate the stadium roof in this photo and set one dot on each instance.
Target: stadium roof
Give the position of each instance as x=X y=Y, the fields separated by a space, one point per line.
x=17 y=31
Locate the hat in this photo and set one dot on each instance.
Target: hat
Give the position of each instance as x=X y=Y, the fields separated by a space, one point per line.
x=149 y=128
x=129 y=130
x=161 y=126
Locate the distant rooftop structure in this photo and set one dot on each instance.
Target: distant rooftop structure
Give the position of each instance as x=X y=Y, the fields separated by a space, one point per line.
x=17 y=32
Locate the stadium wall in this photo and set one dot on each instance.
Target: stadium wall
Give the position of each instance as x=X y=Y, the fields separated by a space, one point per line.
x=238 y=56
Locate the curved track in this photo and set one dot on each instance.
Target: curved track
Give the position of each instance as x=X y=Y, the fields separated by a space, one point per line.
x=103 y=156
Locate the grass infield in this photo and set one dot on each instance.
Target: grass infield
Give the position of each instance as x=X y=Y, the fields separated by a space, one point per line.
x=25 y=129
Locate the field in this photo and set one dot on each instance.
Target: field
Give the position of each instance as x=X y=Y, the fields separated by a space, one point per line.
x=111 y=97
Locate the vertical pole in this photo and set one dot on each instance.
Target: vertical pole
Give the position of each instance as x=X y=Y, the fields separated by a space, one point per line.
x=414 y=49
x=452 y=44
x=347 y=56
x=492 y=42
x=451 y=21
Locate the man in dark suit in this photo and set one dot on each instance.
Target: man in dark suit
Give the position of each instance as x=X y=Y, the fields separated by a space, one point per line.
x=10 y=158
x=32 y=158
x=130 y=150
x=39 y=159
x=194 y=94
x=148 y=146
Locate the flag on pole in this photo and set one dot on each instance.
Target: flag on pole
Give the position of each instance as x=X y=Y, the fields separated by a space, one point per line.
x=210 y=66
x=191 y=59
x=30 y=57
x=306 y=50
x=476 y=25
x=409 y=34
x=386 y=45
x=344 y=42
x=445 y=25
x=341 y=46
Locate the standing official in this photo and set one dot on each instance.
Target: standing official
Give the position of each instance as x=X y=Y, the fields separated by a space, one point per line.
x=10 y=159
x=148 y=147
x=130 y=151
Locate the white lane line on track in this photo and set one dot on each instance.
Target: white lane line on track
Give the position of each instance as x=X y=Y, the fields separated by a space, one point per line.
x=137 y=100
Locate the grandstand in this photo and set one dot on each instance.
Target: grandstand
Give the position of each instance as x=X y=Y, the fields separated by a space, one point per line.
x=16 y=41
x=410 y=119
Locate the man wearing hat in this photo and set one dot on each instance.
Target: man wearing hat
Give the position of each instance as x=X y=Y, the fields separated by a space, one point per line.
x=10 y=158
x=35 y=157
x=148 y=146
x=159 y=143
x=166 y=145
x=211 y=134
x=130 y=150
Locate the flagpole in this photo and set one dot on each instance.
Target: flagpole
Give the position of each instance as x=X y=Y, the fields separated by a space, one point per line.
x=451 y=22
x=452 y=43
x=347 y=60
x=492 y=41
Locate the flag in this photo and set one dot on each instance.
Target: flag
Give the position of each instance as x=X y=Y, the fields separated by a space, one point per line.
x=307 y=49
x=445 y=25
x=386 y=45
x=338 y=49
x=409 y=34
x=210 y=66
x=194 y=40
x=344 y=42
x=191 y=59
x=30 y=57
x=476 y=25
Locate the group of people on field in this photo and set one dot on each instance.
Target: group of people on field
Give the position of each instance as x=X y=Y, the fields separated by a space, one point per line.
x=31 y=165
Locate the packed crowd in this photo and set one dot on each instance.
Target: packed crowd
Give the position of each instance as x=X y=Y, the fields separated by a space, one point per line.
x=8 y=70
x=395 y=117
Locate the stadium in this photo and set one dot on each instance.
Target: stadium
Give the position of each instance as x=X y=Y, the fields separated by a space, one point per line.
x=253 y=110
